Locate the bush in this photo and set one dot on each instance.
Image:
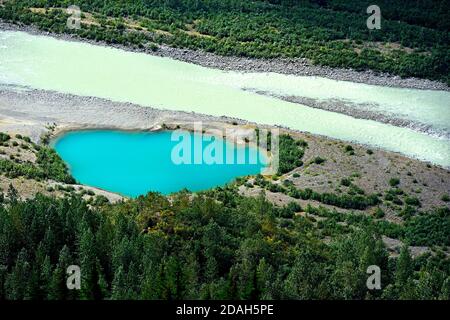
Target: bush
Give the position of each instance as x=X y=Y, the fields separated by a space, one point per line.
x=445 y=198
x=100 y=200
x=431 y=228
x=318 y=160
x=412 y=201
x=379 y=213
x=348 y=148
x=4 y=137
x=290 y=154
x=289 y=211
x=53 y=166
x=48 y=166
x=346 y=182
x=393 y=182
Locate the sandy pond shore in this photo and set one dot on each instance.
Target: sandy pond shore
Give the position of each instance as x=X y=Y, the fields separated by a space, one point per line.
x=297 y=66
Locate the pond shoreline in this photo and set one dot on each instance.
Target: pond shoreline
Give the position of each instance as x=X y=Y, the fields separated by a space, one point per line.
x=41 y=109
x=298 y=67
x=37 y=110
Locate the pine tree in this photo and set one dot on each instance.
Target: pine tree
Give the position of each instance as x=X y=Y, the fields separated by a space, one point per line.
x=17 y=281
x=403 y=275
x=264 y=280
x=404 y=267
x=152 y=285
x=119 y=290
x=58 y=285
x=3 y=273
x=87 y=254
x=171 y=278
x=190 y=277
x=45 y=277
x=445 y=290
x=247 y=280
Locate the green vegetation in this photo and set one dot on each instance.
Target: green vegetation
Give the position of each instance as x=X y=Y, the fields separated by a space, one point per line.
x=48 y=165
x=4 y=137
x=347 y=201
x=429 y=228
x=318 y=160
x=215 y=245
x=379 y=213
x=413 y=40
x=346 y=182
x=291 y=152
x=52 y=166
x=412 y=201
x=393 y=182
x=348 y=149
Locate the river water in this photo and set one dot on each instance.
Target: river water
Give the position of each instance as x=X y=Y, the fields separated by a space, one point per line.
x=79 y=68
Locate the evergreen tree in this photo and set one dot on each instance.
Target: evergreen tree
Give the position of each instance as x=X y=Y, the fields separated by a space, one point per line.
x=87 y=253
x=58 y=285
x=264 y=280
x=17 y=281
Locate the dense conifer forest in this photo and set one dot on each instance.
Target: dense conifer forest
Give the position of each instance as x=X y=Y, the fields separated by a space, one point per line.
x=215 y=245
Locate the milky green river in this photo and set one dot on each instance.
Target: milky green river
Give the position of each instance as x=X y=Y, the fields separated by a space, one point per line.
x=71 y=67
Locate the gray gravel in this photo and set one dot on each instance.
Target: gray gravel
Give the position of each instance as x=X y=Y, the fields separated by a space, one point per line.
x=35 y=110
x=361 y=111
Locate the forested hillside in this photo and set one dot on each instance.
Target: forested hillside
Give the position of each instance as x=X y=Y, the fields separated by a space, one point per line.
x=216 y=245
x=413 y=39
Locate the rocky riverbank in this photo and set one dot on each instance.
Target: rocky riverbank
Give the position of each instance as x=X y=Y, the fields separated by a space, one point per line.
x=299 y=66
x=35 y=110
x=366 y=111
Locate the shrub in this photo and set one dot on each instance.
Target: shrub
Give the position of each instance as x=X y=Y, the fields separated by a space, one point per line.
x=4 y=137
x=348 y=148
x=431 y=228
x=290 y=154
x=379 y=213
x=393 y=182
x=412 y=201
x=318 y=160
x=445 y=198
x=100 y=200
